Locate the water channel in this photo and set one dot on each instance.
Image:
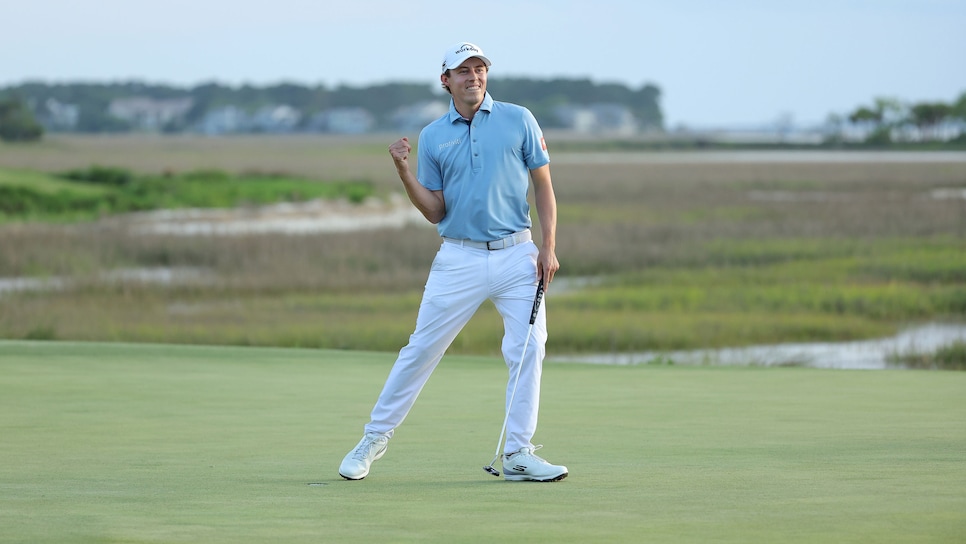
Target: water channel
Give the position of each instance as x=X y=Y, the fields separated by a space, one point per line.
x=858 y=355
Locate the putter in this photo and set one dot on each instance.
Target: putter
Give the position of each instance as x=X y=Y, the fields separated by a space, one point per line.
x=533 y=317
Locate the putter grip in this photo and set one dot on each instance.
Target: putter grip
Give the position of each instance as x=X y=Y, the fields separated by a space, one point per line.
x=536 y=302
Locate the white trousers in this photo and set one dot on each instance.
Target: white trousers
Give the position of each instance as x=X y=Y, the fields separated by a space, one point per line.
x=460 y=280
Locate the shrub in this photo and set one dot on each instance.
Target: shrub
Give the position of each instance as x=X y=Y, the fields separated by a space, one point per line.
x=41 y=332
x=24 y=202
x=17 y=123
x=357 y=192
x=17 y=200
x=103 y=175
x=207 y=175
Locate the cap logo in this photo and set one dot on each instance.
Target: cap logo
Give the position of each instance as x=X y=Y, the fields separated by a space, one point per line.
x=463 y=51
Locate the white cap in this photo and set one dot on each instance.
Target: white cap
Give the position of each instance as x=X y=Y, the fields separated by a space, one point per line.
x=458 y=53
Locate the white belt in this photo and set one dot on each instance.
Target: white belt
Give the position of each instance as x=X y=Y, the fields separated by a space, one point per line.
x=503 y=243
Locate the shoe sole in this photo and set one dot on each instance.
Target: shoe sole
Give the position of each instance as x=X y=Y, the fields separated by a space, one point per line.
x=524 y=478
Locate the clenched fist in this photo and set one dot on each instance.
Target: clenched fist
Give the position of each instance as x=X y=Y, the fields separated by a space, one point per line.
x=400 y=150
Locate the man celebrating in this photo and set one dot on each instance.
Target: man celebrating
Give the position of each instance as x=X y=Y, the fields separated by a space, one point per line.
x=474 y=171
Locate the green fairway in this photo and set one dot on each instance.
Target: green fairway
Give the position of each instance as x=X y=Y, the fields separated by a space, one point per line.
x=149 y=443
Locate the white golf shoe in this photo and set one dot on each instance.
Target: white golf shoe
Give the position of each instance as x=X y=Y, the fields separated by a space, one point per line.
x=355 y=465
x=525 y=466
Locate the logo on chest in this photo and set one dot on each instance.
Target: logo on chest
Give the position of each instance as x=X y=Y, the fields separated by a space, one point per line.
x=450 y=143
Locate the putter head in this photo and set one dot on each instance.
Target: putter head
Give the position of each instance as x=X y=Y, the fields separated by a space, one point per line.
x=491 y=470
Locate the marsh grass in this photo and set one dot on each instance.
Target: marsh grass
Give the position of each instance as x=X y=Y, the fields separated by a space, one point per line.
x=691 y=255
x=951 y=357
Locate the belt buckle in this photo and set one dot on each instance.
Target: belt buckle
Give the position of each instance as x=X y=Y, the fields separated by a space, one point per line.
x=501 y=242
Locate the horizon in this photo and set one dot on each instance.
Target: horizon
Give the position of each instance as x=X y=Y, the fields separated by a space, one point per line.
x=747 y=63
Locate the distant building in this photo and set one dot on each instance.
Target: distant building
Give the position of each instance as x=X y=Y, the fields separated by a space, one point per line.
x=224 y=120
x=57 y=115
x=602 y=118
x=150 y=114
x=576 y=118
x=276 y=119
x=614 y=119
x=342 y=121
x=416 y=116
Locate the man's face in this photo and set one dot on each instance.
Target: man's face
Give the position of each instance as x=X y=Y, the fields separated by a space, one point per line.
x=467 y=82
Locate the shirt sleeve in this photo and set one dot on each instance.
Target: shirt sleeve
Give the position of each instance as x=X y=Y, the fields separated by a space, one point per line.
x=535 y=152
x=427 y=167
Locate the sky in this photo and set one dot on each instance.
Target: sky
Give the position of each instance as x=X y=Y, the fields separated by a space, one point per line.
x=718 y=63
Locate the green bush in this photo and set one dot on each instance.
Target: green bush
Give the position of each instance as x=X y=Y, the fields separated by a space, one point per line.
x=207 y=175
x=103 y=175
x=357 y=192
x=17 y=123
x=41 y=332
x=18 y=200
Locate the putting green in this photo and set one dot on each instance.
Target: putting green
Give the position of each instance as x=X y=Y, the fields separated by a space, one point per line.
x=157 y=443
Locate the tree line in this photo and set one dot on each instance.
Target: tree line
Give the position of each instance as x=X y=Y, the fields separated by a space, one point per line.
x=87 y=106
x=28 y=109
x=888 y=120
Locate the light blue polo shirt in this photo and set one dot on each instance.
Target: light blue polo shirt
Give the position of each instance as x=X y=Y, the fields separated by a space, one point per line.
x=483 y=169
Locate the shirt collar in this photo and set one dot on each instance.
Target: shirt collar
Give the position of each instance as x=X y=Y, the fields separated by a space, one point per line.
x=486 y=106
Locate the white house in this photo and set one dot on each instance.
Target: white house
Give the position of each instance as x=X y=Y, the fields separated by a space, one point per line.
x=276 y=118
x=343 y=121
x=602 y=118
x=416 y=116
x=224 y=120
x=148 y=113
x=60 y=116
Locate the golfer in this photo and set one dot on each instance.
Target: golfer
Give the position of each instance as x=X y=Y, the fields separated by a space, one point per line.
x=474 y=171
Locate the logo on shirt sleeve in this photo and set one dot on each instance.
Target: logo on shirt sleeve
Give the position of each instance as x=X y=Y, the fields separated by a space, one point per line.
x=543 y=143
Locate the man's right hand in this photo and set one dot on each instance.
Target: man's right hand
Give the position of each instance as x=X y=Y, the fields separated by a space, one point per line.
x=429 y=203
x=400 y=152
